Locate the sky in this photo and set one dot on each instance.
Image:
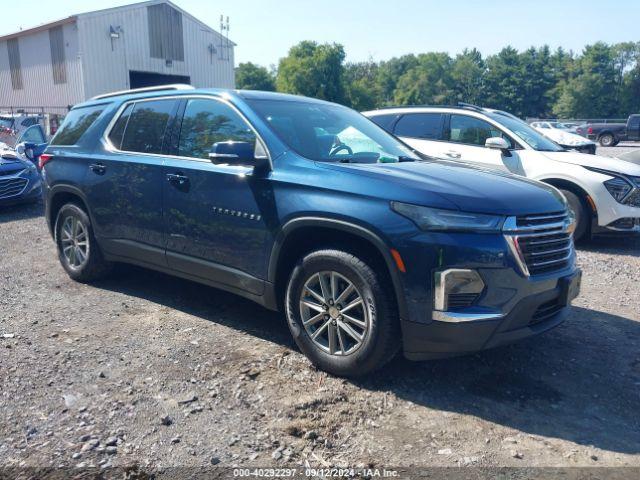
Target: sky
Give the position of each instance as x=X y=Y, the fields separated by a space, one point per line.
x=264 y=30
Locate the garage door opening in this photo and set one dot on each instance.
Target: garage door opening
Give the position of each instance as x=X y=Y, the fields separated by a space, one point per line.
x=149 y=79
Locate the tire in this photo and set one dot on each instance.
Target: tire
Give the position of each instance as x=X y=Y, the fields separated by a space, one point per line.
x=79 y=252
x=378 y=326
x=581 y=214
x=607 y=140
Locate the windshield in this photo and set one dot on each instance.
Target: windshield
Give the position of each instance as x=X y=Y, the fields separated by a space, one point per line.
x=6 y=122
x=526 y=133
x=561 y=126
x=330 y=133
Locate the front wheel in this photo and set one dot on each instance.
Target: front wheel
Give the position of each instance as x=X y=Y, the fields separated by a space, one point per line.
x=341 y=313
x=580 y=212
x=78 y=250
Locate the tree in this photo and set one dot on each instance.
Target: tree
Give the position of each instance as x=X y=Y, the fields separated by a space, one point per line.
x=592 y=92
x=429 y=82
x=467 y=75
x=313 y=70
x=389 y=73
x=503 y=82
x=250 y=76
x=361 y=87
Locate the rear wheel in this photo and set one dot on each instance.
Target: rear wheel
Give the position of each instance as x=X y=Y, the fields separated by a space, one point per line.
x=580 y=212
x=607 y=140
x=78 y=250
x=341 y=314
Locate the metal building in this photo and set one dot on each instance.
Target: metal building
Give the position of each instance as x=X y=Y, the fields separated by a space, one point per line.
x=150 y=43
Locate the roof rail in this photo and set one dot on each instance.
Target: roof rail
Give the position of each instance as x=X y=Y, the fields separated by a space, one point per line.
x=470 y=106
x=159 y=88
x=460 y=105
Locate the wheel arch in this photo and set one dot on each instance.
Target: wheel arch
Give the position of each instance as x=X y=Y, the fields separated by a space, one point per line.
x=59 y=196
x=302 y=235
x=580 y=191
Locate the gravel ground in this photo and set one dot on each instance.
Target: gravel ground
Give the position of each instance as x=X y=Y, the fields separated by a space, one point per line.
x=619 y=149
x=149 y=370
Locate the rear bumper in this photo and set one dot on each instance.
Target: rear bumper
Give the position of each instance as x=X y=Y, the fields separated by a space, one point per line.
x=532 y=315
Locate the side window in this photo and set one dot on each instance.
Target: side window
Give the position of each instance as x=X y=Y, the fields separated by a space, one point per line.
x=206 y=122
x=76 y=123
x=147 y=126
x=634 y=122
x=473 y=131
x=427 y=126
x=117 y=132
x=33 y=134
x=385 y=121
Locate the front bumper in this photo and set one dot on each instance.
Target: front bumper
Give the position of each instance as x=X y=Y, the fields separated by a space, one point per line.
x=530 y=316
x=23 y=187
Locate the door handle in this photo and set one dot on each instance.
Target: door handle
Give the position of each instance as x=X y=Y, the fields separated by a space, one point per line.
x=98 y=168
x=453 y=154
x=177 y=179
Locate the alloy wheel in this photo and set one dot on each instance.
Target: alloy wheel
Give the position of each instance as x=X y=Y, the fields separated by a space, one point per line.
x=74 y=241
x=333 y=313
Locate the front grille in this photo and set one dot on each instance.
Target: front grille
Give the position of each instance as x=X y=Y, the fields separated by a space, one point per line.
x=542 y=242
x=10 y=187
x=460 y=300
x=546 y=311
x=11 y=170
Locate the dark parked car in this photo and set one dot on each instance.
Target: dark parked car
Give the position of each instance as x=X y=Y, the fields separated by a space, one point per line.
x=19 y=179
x=308 y=207
x=610 y=134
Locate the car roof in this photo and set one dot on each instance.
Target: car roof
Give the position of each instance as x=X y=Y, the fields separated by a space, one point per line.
x=130 y=95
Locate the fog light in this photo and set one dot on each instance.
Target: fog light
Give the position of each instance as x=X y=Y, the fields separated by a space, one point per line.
x=454 y=283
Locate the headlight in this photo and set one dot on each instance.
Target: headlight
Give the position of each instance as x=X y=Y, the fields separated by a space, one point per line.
x=618 y=188
x=436 y=219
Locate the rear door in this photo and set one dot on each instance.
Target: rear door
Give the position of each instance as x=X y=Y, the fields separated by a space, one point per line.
x=423 y=131
x=214 y=213
x=124 y=181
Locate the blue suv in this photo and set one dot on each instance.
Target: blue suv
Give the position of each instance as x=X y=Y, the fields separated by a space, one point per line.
x=308 y=207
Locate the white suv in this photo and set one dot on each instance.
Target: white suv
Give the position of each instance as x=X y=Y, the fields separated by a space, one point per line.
x=604 y=193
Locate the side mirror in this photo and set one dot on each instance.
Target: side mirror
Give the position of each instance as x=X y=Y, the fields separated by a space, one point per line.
x=239 y=153
x=498 y=143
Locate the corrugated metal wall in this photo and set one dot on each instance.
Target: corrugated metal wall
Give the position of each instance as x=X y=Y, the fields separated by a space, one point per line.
x=68 y=64
x=107 y=61
x=36 y=68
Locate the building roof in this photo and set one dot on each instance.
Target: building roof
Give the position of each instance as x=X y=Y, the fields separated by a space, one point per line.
x=74 y=18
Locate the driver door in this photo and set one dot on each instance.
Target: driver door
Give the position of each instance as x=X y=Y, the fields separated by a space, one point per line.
x=467 y=136
x=213 y=211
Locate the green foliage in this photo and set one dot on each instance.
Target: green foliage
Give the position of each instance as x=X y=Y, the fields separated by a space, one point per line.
x=603 y=81
x=250 y=76
x=313 y=70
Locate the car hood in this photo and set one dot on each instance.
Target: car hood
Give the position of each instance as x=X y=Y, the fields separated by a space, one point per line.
x=565 y=138
x=595 y=161
x=10 y=163
x=451 y=185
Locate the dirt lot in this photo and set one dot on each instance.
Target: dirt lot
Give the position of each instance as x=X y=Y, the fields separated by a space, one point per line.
x=151 y=370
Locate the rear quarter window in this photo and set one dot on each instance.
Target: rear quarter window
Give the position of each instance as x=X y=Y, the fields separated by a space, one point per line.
x=76 y=124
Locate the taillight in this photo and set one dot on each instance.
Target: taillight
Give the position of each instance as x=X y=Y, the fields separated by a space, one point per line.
x=44 y=159
x=590 y=130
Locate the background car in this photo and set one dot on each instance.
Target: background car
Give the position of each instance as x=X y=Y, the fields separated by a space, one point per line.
x=610 y=134
x=604 y=193
x=19 y=178
x=565 y=137
x=32 y=143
